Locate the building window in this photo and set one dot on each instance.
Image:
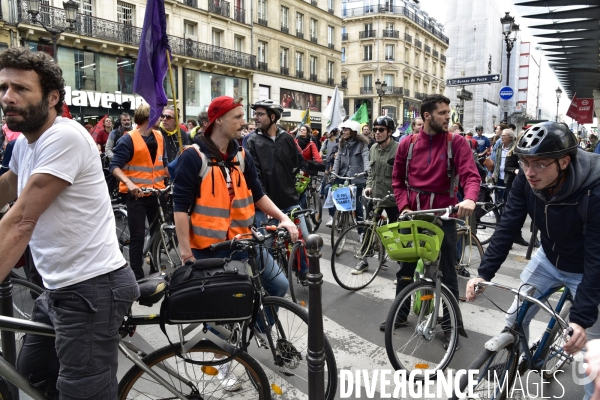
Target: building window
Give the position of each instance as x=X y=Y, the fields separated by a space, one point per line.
x=190 y=28
x=262 y=52
x=389 y=79
x=343 y=54
x=313 y=28
x=125 y=13
x=389 y=26
x=406 y=56
x=330 y=4
x=417 y=57
x=202 y=87
x=368 y=27
x=426 y=64
x=299 y=62
x=285 y=17
x=313 y=65
x=216 y=37
x=284 y=58
x=368 y=53
x=389 y=52
x=368 y=81
x=330 y=69
x=299 y=23
x=330 y=35
x=405 y=83
x=238 y=43
x=262 y=9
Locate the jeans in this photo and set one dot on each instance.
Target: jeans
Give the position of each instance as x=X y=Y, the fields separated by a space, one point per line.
x=260 y=217
x=137 y=211
x=82 y=360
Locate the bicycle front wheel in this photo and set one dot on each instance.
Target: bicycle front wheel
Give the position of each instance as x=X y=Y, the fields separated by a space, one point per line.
x=288 y=369
x=495 y=368
x=470 y=253
x=243 y=373
x=314 y=203
x=554 y=359
x=123 y=236
x=412 y=339
x=24 y=294
x=341 y=221
x=298 y=291
x=165 y=250
x=357 y=259
x=486 y=225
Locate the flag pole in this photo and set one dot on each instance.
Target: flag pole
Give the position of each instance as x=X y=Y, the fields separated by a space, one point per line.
x=173 y=93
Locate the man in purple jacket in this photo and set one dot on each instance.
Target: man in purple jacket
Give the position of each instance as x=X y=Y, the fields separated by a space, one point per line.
x=427 y=179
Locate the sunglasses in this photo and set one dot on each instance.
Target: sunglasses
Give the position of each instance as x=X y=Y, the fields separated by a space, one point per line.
x=167 y=117
x=379 y=130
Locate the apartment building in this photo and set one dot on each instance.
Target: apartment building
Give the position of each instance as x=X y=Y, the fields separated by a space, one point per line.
x=391 y=42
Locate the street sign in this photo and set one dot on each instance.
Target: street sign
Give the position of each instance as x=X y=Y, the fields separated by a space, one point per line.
x=474 y=80
x=464 y=94
x=506 y=93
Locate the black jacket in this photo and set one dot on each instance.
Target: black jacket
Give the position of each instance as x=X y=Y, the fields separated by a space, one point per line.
x=172 y=143
x=561 y=229
x=276 y=162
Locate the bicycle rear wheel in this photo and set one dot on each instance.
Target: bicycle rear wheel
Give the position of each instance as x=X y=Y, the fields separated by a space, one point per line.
x=409 y=343
x=486 y=225
x=289 y=369
x=313 y=201
x=195 y=381
x=165 y=253
x=354 y=262
x=554 y=360
x=24 y=294
x=470 y=253
x=298 y=291
x=341 y=221
x=495 y=367
x=123 y=236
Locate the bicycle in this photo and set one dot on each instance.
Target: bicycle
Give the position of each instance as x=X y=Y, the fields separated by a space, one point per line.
x=354 y=249
x=313 y=202
x=282 y=328
x=160 y=244
x=344 y=200
x=469 y=250
x=414 y=319
x=508 y=353
x=488 y=213
x=159 y=373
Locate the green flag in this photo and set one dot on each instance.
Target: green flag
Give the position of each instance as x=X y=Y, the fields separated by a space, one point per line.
x=361 y=115
x=305 y=119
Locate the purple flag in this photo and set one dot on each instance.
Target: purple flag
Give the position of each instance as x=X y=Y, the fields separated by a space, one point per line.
x=151 y=66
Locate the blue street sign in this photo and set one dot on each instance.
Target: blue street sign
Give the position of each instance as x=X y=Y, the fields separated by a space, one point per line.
x=506 y=93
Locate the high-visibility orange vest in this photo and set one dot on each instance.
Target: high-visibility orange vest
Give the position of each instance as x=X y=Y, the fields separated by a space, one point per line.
x=140 y=169
x=216 y=217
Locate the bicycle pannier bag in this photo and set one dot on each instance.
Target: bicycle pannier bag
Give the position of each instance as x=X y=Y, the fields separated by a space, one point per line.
x=209 y=290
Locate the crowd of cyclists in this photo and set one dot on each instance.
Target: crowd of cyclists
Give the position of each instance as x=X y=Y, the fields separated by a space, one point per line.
x=225 y=178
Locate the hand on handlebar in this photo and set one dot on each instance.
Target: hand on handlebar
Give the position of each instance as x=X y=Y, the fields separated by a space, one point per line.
x=465 y=208
x=577 y=339
x=367 y=192
x=134 y=190
x=291 y=228
x=471 y=293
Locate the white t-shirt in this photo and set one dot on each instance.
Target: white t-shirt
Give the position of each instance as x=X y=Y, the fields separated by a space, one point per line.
x=74 y=239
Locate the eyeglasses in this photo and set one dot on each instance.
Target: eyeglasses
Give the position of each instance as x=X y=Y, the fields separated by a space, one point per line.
x=382 y=130
x=259 y=113
x=167 y=117
x=537 y=167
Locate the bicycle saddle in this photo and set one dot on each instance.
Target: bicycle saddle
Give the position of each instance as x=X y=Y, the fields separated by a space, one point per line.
x=152 y=289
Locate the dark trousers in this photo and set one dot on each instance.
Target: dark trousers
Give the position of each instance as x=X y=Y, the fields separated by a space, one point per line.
x=392 y=213
x=81 y=361
x=137 y=211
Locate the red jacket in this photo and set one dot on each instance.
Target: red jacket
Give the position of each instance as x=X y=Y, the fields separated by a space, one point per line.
x=310 y=153
x=428 y=171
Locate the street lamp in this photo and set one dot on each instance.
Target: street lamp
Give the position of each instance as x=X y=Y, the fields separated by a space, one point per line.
x=509 y=30
x=71 y=8
x=381 y=89
x=558 y=93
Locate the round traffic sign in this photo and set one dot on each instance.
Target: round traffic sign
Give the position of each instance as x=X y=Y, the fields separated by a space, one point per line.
x=506 y=93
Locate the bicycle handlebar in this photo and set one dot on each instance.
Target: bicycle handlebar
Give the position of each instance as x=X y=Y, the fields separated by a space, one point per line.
x=447 y=211
x=148 y=190
x=349 y=178
x=377 y=200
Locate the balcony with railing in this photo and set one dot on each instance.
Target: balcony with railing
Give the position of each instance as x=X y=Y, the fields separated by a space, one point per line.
x=285 y=29
x=262 y=66
x=313 y=2
x=420 y=96
x=262 y=21
x=300 y=74
x=443 y=58
x=436 y=54
x=300 y=34
x=418 y=44
x=390 y=33
x=427 y=49
x=407 y=38
x=331 y=46
x=330 y=10
x=366 y=34
x=344 y=37
x=330 y=81
x=313 y=77
x=394 y=90
x=366 y=90
x=313 y=39
x=398 y=10
x=219 y=7
x=345 y=83
x=284 y=71
x=406 y=93
x=194 y=49
x=239 y=14
x=191 y=3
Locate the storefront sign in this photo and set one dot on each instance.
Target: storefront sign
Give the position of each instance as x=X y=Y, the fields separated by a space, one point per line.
x=87 y=98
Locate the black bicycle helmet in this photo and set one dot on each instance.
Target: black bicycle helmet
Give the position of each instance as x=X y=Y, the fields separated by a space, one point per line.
x=271 y=107
x=386 y=121
x=548 y=139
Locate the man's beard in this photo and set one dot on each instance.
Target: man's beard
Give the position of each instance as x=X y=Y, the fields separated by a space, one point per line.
x=437 y=128
x=32 y=118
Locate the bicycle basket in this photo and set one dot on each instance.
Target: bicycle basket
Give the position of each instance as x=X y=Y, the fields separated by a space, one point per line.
x=301 y=183
x=412 y=240
x=422 y=296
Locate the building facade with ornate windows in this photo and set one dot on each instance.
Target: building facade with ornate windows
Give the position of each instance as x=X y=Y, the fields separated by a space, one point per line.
x=298 y=56
x=210 y=42
x=393 y=42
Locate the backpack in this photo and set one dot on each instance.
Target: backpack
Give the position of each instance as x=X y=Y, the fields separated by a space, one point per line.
x=207 y=164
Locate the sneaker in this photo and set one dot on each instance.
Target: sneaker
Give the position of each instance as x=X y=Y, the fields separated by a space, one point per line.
x=361 y=237
x=329 y=223
x=302 y=279
x=397 y=325
x=447 y=336
x=230 y=382
x=361 y=267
